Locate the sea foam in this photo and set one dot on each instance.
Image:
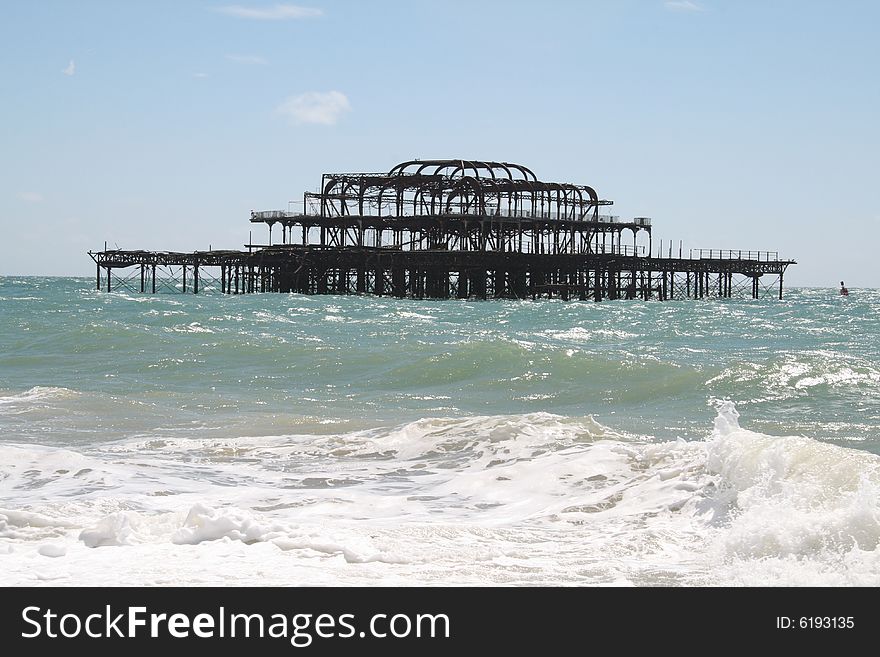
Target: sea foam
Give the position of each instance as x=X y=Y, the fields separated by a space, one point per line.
x=534 y=498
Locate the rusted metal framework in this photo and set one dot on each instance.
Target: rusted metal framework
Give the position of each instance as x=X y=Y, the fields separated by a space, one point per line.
x=455 y=205
x=453 y=228
x=446 y=187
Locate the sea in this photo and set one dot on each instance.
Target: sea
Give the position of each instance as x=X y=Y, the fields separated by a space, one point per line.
x=275 y=439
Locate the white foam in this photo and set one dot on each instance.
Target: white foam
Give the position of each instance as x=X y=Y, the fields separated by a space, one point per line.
x=417 y=316
x=52 y=550
x=796 y=501
x=115 y=529
x=206 y=524
x=28 y=519
x=581 y=334
x=37 y=393
x=519 y=499
x=192 y=327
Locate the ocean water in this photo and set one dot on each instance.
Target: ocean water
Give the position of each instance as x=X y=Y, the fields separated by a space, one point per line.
x=288 y=439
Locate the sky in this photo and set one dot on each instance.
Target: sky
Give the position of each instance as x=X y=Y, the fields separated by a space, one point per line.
x=747 y=124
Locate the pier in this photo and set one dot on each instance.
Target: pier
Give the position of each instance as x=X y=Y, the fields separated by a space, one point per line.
x=440 y=229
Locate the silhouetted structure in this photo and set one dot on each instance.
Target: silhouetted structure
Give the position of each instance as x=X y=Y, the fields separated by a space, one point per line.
x=452 y=228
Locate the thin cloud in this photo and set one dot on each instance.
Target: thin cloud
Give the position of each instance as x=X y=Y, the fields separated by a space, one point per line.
x=247 y=59
x=321 y=107
x=682 y=5
x=30 y=197
x=200 y=76
x=70 y=69
x=274 y=13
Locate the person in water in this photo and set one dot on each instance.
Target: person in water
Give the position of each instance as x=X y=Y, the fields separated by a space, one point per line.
x=843 y=289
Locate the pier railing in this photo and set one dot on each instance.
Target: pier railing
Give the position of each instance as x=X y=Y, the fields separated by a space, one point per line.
x=733 y=254
x=645 y=222
x=619 y=249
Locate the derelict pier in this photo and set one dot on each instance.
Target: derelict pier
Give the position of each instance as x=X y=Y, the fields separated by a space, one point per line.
x=439 y=229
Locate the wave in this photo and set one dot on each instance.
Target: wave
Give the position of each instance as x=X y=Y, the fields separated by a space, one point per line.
x=530 y=499
x=799 y=510
x=34 y=398
x=788 y=375
x=38 y=393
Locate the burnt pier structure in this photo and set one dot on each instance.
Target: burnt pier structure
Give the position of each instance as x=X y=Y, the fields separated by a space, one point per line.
x=439 y=229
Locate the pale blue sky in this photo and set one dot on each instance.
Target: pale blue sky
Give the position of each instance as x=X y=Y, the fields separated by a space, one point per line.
x=160 y=125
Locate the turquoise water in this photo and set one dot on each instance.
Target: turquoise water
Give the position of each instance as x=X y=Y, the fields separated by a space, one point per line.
x=231 y=383
x=809 y=365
